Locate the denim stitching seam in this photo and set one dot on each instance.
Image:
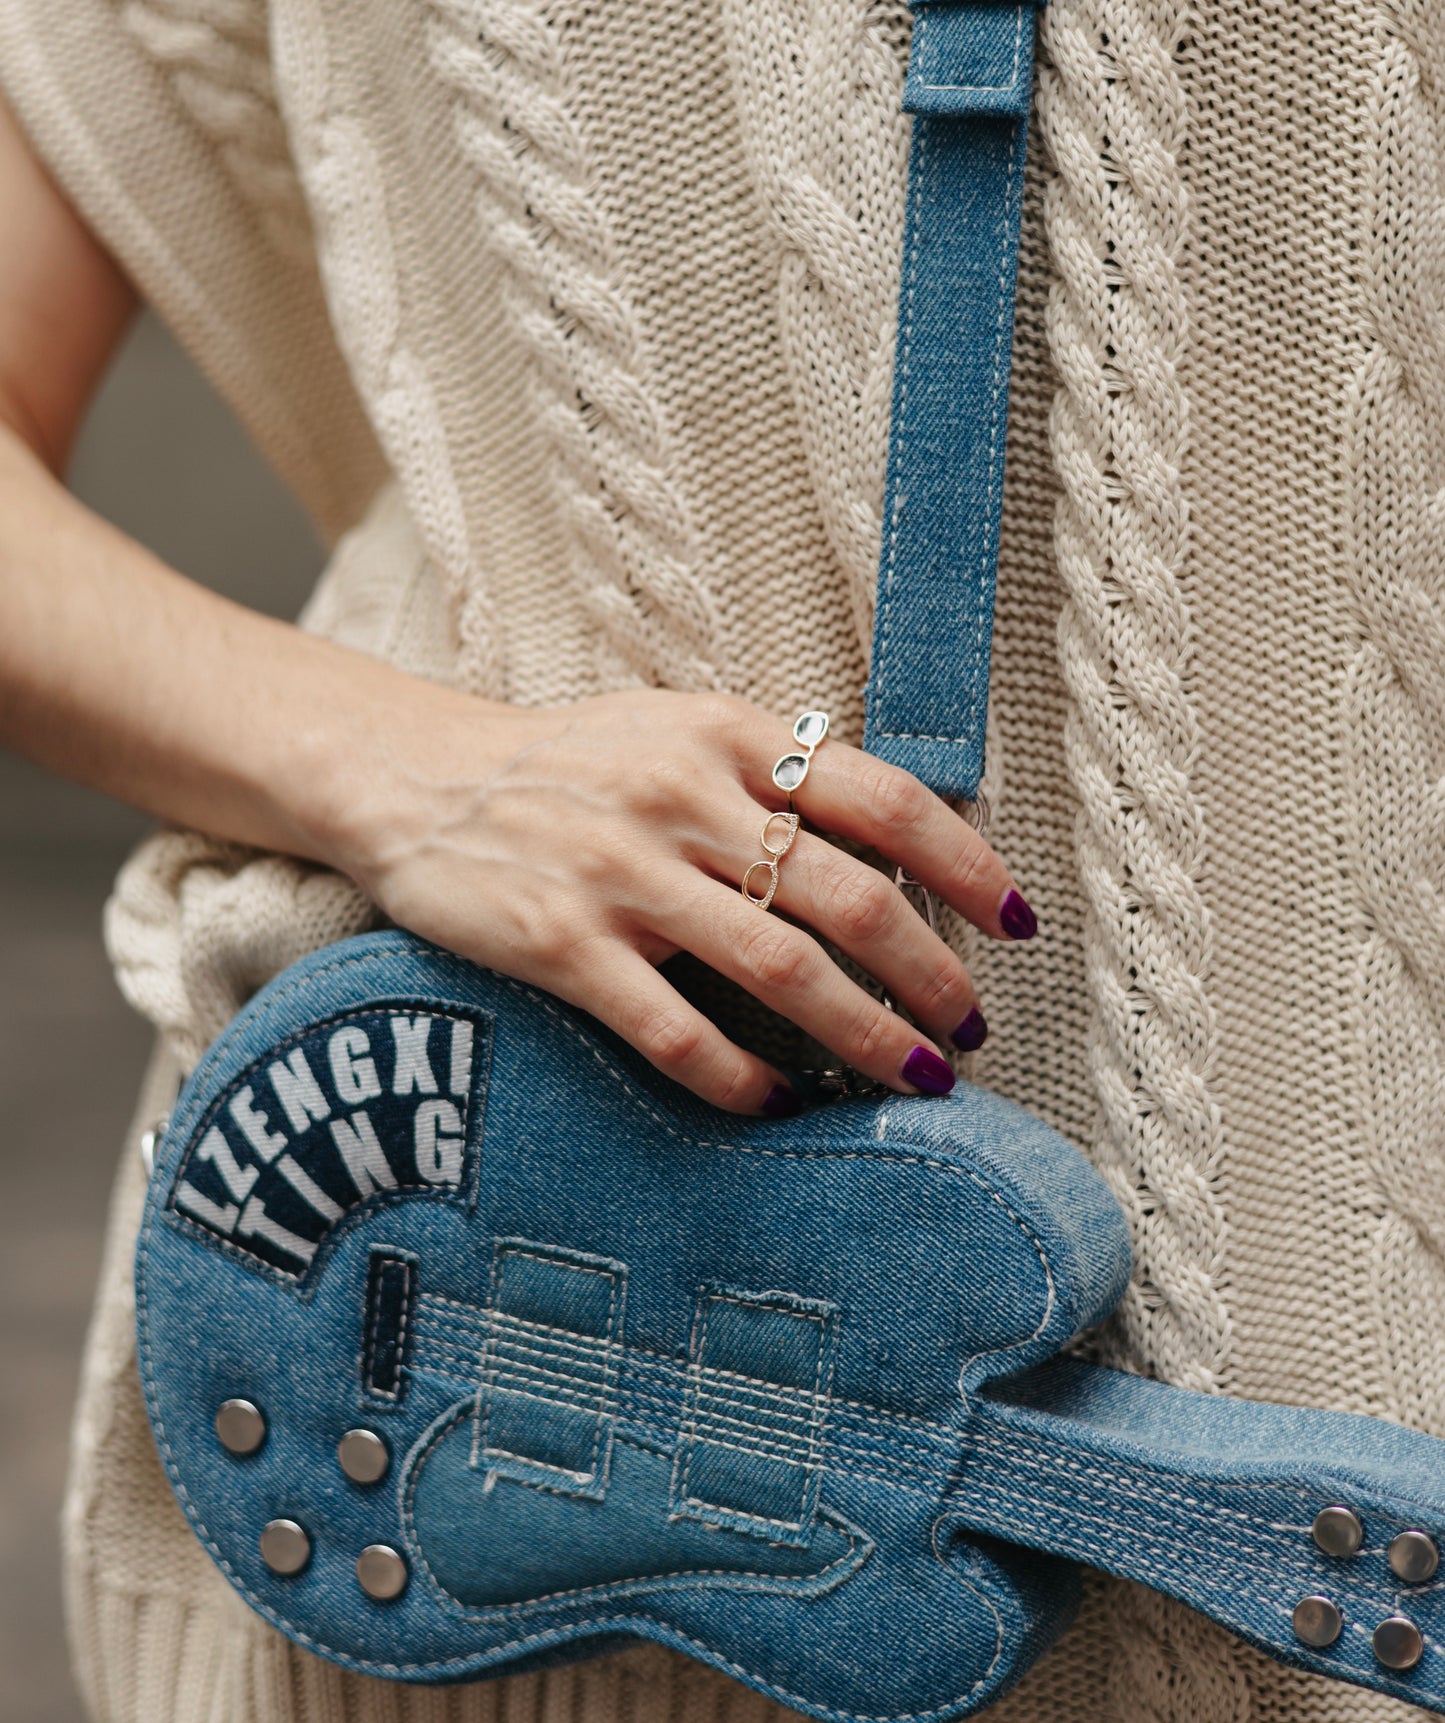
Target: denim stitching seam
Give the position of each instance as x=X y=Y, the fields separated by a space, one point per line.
x=976 y=89
x=689 y=1438
x=983 y=607
x=915 y=200
x=655 y=1360
x=381 y=1398
x=595 y=1479
x=667 y=1414
x=905 y=1434
x=839 y=1569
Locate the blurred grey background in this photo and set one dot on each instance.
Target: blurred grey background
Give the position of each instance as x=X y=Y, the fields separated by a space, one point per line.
x=163 y=459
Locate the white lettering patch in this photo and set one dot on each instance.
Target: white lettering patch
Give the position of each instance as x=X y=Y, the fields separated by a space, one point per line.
x=349 y=1113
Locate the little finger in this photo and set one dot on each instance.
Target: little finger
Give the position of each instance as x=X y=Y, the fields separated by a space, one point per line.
x=624 y=991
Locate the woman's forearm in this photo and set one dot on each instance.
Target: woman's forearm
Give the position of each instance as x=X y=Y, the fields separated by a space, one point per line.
x=113 y=668
x=574 y=848
x=120 y=673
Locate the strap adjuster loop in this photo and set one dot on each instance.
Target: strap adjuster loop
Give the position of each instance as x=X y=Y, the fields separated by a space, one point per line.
x=971 y=57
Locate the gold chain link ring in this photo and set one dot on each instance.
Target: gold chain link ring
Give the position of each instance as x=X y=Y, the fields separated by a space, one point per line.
x=773 y=852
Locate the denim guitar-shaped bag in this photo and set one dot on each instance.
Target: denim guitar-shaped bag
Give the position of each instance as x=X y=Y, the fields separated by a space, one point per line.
x=458 y=1371
x=455 y=1370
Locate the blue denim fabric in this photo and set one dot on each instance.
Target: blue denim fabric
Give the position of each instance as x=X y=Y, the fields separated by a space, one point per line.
x=643 y=1368
x=784 y=1394
x=969 y=82
x=1219 y=1497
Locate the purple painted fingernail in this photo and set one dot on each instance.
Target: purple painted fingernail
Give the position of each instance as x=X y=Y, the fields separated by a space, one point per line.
x=927 y=1072
x=781 y=1102
x=971 y=1034
x=1016 y=918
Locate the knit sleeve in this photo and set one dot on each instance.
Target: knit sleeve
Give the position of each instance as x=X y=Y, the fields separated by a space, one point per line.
x=160 y=120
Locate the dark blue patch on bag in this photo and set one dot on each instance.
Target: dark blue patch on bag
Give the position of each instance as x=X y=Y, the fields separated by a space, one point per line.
x=360 y=1108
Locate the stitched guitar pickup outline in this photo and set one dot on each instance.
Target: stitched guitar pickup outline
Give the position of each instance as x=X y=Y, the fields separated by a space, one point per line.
x=748 y=1447
x=648 y=1397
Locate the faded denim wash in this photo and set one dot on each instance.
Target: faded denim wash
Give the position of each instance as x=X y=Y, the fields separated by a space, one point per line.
x=783 y=1394
x=970 y=79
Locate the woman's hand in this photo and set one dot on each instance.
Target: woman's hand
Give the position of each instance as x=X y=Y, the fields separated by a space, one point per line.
x=573 y=848
x=578 y=847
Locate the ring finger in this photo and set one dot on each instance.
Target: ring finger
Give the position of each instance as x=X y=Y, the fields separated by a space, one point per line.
x=790 y=972
x=864 y=914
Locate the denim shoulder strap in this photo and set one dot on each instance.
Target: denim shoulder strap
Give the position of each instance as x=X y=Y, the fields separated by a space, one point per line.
x=969 y=84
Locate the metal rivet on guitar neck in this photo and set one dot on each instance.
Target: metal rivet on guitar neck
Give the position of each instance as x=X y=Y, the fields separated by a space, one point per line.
x=285 y=1547
x=381 y=1572
x=1317 y=1622
x=363 y=1456
x=1338 y=1531
x=1413 y=1557
x=1398 y=1643
x=240 y=1426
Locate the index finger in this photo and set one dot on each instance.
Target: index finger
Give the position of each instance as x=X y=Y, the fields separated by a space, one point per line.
x=855 y=796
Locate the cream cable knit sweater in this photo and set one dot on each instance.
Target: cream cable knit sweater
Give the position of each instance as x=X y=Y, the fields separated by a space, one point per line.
x=579 y=318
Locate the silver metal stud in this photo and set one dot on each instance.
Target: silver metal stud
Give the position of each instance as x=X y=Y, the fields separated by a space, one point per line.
x=240 y=1426
x=1413 y=1557
x=363 y=1456
x=381 y=1572
x=1338 y=1531
x=1398 y=1643
x=285 y=1547
x=1317 y=1622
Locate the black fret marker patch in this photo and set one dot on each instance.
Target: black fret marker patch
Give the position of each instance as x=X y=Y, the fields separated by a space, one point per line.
x=387 y=1324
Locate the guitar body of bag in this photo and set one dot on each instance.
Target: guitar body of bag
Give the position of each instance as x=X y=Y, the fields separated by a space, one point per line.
x=470 y=1343
x=557 y=1353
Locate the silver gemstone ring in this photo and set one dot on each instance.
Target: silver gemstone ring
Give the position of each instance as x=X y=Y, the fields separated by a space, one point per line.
x=791 y=770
